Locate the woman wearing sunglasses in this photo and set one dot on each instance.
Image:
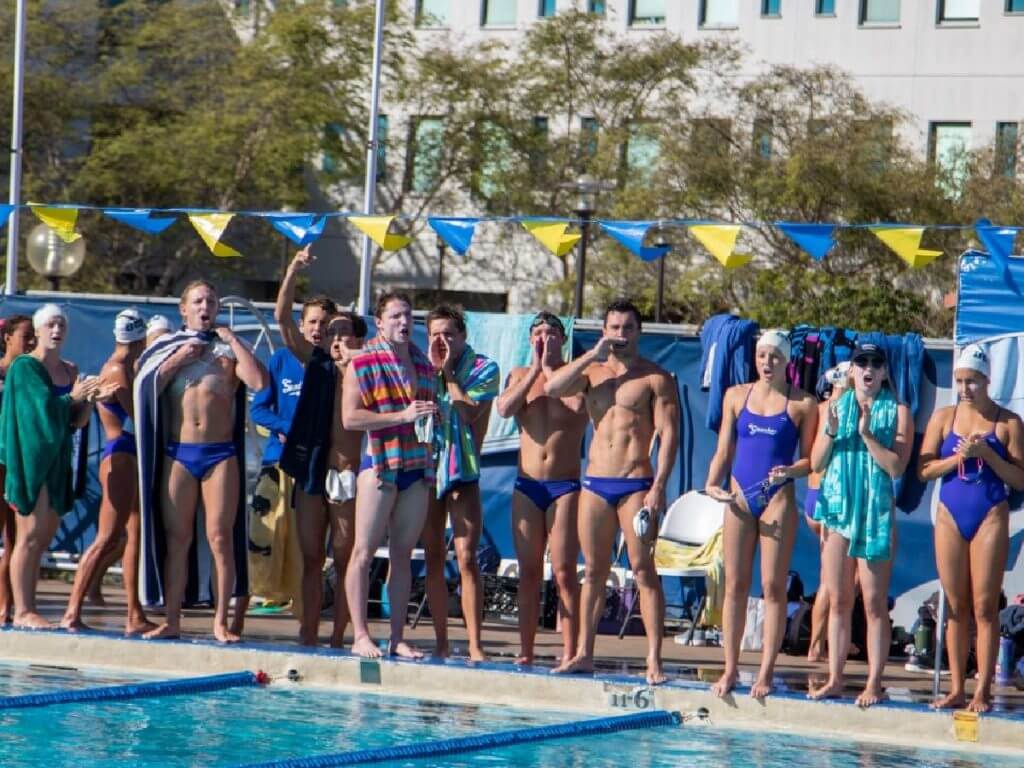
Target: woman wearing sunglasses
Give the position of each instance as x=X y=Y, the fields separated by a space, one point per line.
x=977 y=448
x=864 y=445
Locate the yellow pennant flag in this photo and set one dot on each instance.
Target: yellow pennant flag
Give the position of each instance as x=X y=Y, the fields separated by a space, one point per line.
x=552 y=235
x=210 y=227
x=720 y=240
x=376 y=228
x=906 y=243
x=60 y=220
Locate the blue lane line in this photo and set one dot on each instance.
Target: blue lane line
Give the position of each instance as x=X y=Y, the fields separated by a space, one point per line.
x=602 y=725
x=186 y=685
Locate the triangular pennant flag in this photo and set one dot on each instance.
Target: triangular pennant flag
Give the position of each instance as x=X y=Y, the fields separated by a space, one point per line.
x=905 y=242
x=457 y=233
x=210 y=227
x=61 y=220
x=141 y=219
x=998 y=241
x=5 y=212
x=301 y=229
x=631 y=235
x=815 y=239
x=720 y=239
x=376 y=228
x=552 y=235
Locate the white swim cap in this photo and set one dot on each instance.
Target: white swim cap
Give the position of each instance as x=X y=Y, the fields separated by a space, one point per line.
x=777 y=338
x=158 y=323
x=129 y=326
x=47 y=313
x=973 y=357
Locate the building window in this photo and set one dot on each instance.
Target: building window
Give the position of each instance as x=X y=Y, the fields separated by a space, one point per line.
x=771 y=7
x=432 y=13
x=588 y=137
x=947 y=150
x=545 y=8
x=763 y=137
x=825 y=8
x=496 y=161
x=642 y=150
x=646 y=12
x=1015 y=6
x=335 y=136
x=539 y=145
x=958 y=10
x=1006 y=149
x=596 y=7
x=879 y=11
x=719 y=13
x=427 y=140
x=499 y=13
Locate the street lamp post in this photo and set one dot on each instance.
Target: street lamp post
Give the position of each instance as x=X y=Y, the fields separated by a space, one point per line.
x=11 y=286
x=51 y=257
x=587 y=189
x=441 y=248
x=659 y=303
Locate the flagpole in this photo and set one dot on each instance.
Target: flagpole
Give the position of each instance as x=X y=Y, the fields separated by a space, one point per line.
x=366 y=265
x=11 y=284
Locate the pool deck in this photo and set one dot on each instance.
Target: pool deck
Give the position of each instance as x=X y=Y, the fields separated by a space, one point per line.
x=618 y=685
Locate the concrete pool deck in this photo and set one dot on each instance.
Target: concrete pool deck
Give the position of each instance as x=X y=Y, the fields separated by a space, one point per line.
x=617 y=686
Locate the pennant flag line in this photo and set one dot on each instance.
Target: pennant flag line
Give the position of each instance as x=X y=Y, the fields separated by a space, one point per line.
x=141 y=219
x=376 y=228
x=998 y=241
x=210 y=227
x=5 y=212
x=905 y=242
x=720 y=240
x=457 y=233
x=631 y=235
x=814 y=239
x=61 y=220
x=301 y=229
x=552 y=235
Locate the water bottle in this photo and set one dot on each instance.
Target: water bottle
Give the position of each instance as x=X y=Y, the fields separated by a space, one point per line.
x=1004 y=661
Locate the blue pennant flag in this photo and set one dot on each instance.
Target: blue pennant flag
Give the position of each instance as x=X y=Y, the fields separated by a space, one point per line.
x=631 y=235
x=141 y=219
x=5 y=211
x=815 y=239
x=302 y=229
x=457 y=233
x=998 y=241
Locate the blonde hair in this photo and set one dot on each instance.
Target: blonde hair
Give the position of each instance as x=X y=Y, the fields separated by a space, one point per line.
x=196 y=284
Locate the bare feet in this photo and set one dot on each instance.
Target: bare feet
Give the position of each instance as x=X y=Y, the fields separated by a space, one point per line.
x=31 y=620
x=477 y=654
x=725 y=684
x=763 y=687
x=403 y=650
x=338 y=639
x=73 y=624
x=870 y=696
x=833 y=689
x=982 y=702
x=814 y=655
x=441 y=651
x=225 y=635
x=952 y=700
x=163 y=632
x=365 y=647
x=655 y=674
x=524 y=661
x=135 y=627
x=578 y=664
x=237 y=623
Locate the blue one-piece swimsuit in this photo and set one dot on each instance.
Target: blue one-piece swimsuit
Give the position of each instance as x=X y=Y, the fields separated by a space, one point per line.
x=970 y=498
x=762 y=442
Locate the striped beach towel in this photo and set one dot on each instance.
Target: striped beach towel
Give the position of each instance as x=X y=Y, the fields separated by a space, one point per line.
x=383 y=388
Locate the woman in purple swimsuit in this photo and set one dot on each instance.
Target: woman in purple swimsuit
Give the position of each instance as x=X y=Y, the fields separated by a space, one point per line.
x=977 y=448
x=119 y=511
x=764 y=428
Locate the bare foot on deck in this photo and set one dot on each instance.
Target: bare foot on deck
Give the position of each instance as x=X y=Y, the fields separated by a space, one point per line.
x=577 y=665
x=225 y=635
x=814 y=655
x=982 y=702
x=441 y=651
x=138 y=626
x=74 y=624
x=31 y=621
x=725 y=684
x=163 y=632
x=477 y=654
x=833 y=689
x=763 y=687
x=365 y=647
x=870 y=696
x=524 y=661
x=952 y=700
x=655 y=674
x=404 y=651
x=338 y=639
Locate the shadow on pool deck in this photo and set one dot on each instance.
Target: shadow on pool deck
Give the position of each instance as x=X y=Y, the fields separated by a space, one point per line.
x=618 y=660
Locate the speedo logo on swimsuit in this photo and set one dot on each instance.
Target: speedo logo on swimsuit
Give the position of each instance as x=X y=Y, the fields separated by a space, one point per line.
x=289 y=387
x=754 y=429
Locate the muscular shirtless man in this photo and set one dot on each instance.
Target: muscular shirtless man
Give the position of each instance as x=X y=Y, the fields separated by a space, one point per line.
x=320 y=453
x=631 y=401
x=544 y=508
x=198 y=383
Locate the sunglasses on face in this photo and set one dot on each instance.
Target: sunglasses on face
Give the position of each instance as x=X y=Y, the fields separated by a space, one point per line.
x=871 y=361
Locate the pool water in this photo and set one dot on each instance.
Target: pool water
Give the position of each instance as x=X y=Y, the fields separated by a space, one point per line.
x=17 y=679
x=249 y=725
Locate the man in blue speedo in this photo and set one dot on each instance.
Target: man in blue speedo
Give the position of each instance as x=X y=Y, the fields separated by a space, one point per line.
x=631 y=401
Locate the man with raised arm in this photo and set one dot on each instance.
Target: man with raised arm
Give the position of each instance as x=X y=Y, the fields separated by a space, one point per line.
x=544 y=507
x=631 y=401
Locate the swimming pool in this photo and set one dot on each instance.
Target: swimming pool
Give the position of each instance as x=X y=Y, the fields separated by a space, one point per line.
x=247 y=725
x=16 y=679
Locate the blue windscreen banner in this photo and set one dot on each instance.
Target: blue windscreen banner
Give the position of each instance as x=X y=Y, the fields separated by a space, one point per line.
x=987 y=305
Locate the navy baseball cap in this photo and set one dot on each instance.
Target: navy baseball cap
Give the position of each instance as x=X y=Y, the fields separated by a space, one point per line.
x=868 y=349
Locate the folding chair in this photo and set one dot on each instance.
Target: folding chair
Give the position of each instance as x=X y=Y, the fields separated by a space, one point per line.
x=692 y=519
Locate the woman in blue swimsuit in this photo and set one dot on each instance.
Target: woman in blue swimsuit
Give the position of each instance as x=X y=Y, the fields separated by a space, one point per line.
x=977 y=448
x=766 y=437
x=119 y=511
